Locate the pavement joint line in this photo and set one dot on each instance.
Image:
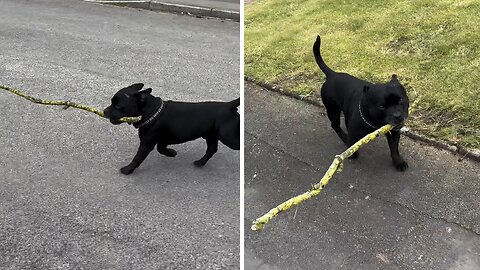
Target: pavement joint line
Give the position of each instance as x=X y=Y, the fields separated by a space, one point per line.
x=428 y=216
x=85 y=229
x=415 y=211
x=282 y=151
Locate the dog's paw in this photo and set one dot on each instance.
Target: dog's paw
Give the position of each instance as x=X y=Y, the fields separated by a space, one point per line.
x=401 y=165
x=199 y=163
x=170 y=152
x=126 y=170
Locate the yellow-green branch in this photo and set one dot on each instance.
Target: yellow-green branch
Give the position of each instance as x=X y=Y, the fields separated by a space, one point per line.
x=336 y=165
x=66 y=104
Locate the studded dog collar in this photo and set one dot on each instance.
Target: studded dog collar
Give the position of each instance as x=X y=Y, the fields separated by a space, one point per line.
x=151 y=118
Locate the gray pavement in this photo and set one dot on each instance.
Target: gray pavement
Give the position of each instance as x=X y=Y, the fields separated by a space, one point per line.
x=63 y=202
x=369 y=216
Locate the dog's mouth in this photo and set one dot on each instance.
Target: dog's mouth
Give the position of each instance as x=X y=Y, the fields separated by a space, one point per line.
x=397 y=125
x=115 y=121
x=396 y=121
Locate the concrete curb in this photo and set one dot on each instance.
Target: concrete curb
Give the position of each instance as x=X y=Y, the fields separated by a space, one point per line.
x=464 y=153
x=175 y=8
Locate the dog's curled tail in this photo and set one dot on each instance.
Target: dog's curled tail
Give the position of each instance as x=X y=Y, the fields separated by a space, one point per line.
x=316 y=51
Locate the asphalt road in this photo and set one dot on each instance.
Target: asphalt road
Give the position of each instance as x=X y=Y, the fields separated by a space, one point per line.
x=63 y=202
x=369 y=216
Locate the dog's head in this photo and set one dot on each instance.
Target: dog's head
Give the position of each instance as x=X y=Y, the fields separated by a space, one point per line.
x=127 y=102
x=387 y=103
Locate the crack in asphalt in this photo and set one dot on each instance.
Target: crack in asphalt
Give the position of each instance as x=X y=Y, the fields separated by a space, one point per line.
x=282 y=150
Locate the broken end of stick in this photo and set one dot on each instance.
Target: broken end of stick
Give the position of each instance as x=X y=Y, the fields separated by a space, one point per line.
x=257 y=226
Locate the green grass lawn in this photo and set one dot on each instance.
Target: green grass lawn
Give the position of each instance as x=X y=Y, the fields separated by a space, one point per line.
x=433 y=46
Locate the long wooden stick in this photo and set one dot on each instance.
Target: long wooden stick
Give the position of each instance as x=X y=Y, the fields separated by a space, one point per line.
x=336 y=165
x=66 y=104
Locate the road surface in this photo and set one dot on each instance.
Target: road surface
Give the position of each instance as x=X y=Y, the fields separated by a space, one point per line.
x=63 y=202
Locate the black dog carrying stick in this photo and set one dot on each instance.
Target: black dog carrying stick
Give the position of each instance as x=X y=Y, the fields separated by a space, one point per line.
x=66 y=104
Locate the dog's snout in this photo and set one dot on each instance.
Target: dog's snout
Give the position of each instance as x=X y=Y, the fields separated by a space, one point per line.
x=397 y=115
x=106 y=112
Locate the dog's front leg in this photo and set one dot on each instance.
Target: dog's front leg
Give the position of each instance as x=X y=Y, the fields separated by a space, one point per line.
x=393 y=138
x=142 y=153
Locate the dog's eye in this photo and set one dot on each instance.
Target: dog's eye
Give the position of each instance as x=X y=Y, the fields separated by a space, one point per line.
x=381 y=107
x=400 y=101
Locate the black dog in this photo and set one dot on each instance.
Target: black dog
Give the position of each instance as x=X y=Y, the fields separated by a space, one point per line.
x=170 y=122
x=366 y=107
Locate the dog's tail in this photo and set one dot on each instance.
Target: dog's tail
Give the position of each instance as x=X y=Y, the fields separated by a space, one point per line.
x=234 y=103
x=316 y=51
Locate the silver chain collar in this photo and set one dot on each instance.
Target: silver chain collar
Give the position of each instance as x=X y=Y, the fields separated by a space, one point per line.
x=363 y=118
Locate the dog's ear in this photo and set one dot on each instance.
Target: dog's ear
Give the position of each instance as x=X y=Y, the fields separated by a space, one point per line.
x=141 y=95
x=136 y=86
x=147 y=91
x=365 y=88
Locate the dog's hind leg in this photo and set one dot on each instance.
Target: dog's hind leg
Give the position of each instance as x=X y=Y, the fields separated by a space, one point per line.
x=162 y=149
x=232 y=143
x=333 y=114
x=212 y=146
x=229 y=134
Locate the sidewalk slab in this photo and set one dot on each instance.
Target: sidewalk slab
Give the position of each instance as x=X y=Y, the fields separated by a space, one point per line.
x=369 y=216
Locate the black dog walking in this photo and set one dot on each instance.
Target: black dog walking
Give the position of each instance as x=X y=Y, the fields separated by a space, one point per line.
x=170 y=122
x=365 y=106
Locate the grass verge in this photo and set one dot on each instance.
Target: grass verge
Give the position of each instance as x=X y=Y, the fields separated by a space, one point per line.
x=433 y=46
